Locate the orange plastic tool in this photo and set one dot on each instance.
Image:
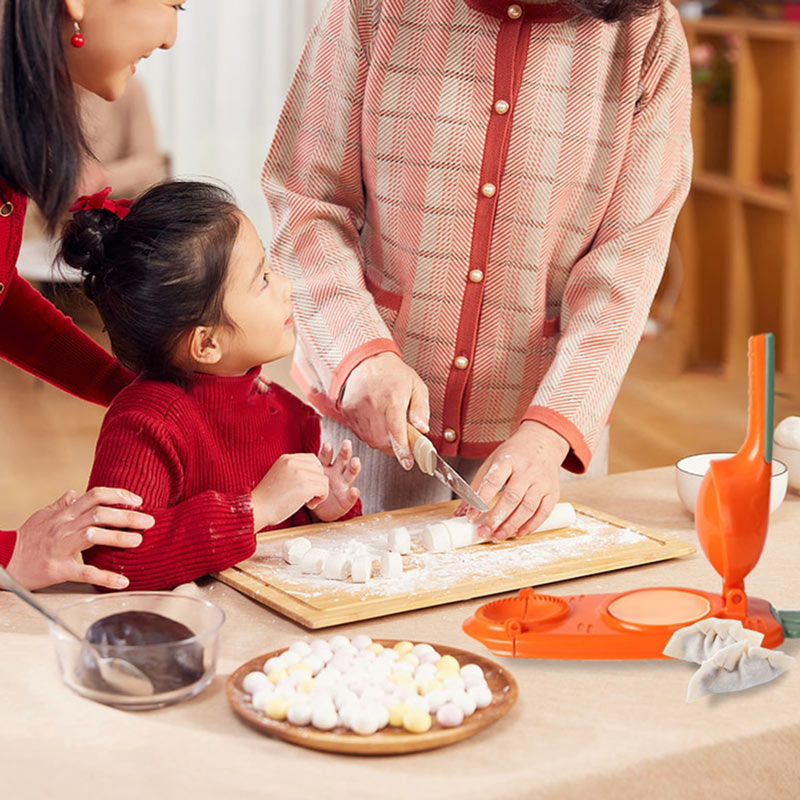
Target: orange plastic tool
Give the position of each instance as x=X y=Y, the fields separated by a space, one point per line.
x=732 y=519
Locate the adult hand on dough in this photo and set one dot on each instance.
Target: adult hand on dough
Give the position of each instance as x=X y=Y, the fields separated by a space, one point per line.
x=527 y=464
x=381 y=394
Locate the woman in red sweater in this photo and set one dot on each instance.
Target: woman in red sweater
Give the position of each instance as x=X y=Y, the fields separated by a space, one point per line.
x=182 y=283
x=47 y=46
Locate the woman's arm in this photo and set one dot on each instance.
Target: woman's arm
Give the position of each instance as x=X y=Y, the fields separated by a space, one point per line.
x=37 y=337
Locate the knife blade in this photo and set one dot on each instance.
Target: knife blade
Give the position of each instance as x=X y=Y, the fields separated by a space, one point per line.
x=431 y=463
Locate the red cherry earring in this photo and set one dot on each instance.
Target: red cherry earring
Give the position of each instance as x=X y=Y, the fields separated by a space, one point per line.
x=77 y=40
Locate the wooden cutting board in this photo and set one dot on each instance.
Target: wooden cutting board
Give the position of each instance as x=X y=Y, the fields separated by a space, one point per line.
x=596 y=543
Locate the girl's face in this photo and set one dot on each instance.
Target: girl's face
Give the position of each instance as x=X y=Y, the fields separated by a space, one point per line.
x=259 y=303
x=117 y=34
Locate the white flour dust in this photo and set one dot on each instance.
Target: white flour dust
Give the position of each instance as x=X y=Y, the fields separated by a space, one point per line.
x=432 y=572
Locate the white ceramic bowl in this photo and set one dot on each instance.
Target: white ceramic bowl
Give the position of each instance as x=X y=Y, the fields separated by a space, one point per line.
x=689 y=472
x=791 y=457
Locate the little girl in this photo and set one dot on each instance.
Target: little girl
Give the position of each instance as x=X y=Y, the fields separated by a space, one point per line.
x=182 y=283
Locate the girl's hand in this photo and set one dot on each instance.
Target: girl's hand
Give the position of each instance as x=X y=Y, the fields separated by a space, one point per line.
x=294 y=480
x=381 y=394
x=50 y=542
x=527 y=464
x=341 y=473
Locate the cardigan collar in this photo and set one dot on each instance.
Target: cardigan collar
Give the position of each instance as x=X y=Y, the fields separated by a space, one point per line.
x=531 y=12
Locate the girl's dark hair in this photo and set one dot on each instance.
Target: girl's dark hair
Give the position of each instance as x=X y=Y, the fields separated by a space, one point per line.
x=41 y=142
x=614 y=10
x=159 y=272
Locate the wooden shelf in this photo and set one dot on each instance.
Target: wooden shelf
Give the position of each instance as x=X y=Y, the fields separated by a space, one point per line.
x=739 y=232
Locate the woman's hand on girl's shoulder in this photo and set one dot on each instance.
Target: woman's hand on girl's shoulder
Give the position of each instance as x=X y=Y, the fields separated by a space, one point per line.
x=50 y=542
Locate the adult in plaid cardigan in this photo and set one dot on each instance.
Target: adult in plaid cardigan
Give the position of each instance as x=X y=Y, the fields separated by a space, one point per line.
x=474 y=200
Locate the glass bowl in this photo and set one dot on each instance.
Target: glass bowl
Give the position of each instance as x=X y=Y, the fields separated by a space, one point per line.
x=179 y=669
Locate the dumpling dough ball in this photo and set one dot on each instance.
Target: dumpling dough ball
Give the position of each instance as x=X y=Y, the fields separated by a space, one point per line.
x=300 y=711
x=278 y=675
x=361 y=569
x=464 y=701
x=482 y=695
x=301 y=648
x=364 y=722
x=416 y=720
x=313 y=562
x=471 y=672
x=391 y=565
x=295 y=549
x=436 y=699
x=337 y=567
x=448 y=665
x=260 y=698
x=277 y=707
x=254 y=681
x=362 y=641
x=449 y=716
x=324 y=716
x=421 y=650
x=376 y=647
x=436 y=538
x=276 y=662
x=401 y=648
x=338 y=642
x=399 y=541
x=397 y=713
x=454 y=683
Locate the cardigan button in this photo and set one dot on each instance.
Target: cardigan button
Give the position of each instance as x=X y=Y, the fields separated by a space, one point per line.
x=460 y=362
x=502 y=106
x=488 y=189
x=514 y=11
x=476 y=275
x=449 y=434
x=7 y=209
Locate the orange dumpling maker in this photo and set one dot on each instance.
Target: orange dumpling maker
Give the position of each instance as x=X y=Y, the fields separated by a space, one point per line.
x=732 y=518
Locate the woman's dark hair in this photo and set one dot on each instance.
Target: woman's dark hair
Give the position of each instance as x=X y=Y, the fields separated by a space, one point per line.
x=41 y=142
x=157 y=273
x=614 y=10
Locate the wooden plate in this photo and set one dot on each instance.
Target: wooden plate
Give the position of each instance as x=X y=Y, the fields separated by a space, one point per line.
x=387 y=740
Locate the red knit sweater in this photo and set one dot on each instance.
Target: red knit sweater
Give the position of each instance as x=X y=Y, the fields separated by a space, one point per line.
x=37 y=337
x=194 y=454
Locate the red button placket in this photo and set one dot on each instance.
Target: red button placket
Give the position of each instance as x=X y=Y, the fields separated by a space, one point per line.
x=510 y=54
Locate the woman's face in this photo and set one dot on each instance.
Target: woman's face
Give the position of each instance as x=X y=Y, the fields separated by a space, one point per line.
x=117 y=34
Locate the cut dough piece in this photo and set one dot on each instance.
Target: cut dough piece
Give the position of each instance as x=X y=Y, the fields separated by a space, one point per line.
x=562 y=516
x=436 y=538
x=391 y=565
x=295 y=549
x=463 y=533
x=313 y=561
x=425 y=455
x=361 y=569
x=337 y=567
x=399 y=540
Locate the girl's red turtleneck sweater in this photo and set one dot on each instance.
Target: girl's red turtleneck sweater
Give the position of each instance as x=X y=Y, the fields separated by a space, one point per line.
x=194 y=453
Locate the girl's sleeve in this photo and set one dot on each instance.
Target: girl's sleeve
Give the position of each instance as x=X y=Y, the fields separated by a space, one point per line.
x=37 y=337
x=313 y=181
x=611 y=288
x=206 y=533
x=8 y=541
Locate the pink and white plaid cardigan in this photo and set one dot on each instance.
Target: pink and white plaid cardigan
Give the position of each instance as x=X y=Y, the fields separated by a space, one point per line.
x=487 y=190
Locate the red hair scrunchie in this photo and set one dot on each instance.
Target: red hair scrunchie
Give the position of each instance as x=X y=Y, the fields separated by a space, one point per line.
x=98 y=200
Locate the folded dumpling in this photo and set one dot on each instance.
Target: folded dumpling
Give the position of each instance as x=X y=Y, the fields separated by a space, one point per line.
x=736 y=667
x=702 y=640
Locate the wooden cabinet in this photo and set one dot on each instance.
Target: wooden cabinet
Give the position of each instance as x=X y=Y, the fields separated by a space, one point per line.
x=738 y=234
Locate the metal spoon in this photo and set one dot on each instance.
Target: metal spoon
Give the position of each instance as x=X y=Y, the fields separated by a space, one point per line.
x=120 y=675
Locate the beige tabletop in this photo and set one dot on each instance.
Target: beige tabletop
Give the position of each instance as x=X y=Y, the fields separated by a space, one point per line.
x=579 y=729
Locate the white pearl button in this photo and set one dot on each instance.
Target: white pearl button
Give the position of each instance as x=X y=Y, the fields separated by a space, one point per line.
x=501 y=106
x=514 y=11
x=488 y=189
x=449 y=434
x=461 y=362
x=476 y=275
